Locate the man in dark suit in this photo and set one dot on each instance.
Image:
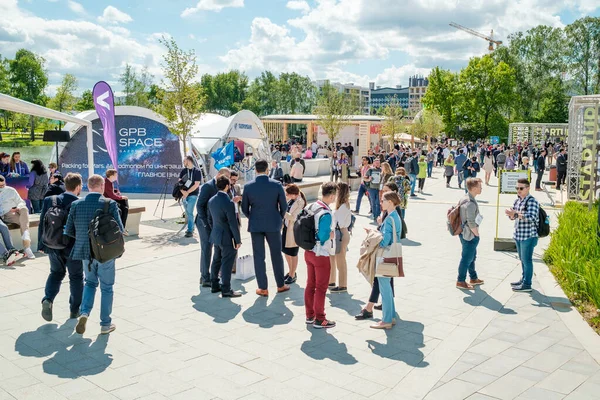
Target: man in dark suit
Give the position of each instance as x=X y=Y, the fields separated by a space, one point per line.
x=276 y=172
x=60 y=259
x=235 y=194
x=207 y=191
x=263 y=202
x=225 y=236
x=561 y=168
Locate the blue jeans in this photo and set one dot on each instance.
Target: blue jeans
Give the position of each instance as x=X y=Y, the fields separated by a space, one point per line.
x=362 y=190
x=6 y=242
x=525 y=250
x=402 y=212
x=387 y=299
x=429 y=169
x=461 y=177
x=190 y=204
x=467 y=259
x=105 y=274
x=375 y=206
x=37 y=206
x=60 y=263
x=413 y=182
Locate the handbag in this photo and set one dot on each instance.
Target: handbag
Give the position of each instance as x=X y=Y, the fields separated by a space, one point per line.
x=390 y=264
x=244 y=268
x=338 y=240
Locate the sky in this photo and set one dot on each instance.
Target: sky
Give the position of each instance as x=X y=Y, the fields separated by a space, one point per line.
x=348 y=41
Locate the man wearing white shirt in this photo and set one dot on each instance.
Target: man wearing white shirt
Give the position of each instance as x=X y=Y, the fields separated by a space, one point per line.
x=14 y=210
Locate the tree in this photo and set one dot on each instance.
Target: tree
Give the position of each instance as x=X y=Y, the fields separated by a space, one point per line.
x=442 y=95
x=86 y=102
x=155 y=93
x=4 y=88
x=432 y=124
x=392 y=124
x=333 y=111
x=554 y=107
x=127 y=79
x=181 y=102
x=225 y=92
x=28 y=79
x=583 y=38
x=64 y=98
x=136 y=86
x=296 y=94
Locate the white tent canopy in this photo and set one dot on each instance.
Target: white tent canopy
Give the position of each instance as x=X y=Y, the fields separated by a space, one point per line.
x=9 y=103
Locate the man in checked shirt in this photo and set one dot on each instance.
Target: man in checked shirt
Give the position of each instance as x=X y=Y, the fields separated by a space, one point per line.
x=525 y=213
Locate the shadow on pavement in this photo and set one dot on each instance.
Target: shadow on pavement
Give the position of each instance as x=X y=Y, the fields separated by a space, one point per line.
x=221 y=310
x=408 y=242
x=402 y=344
x=169 y=239
x=560 y=304
x=322 y=345
x=267 y=316
x=480 y=297
x=70 y=354
x=345 y=302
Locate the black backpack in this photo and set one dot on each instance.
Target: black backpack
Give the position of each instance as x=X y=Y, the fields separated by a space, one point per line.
x=106 y=239
x=305 y=231
x=543 y=228
x=54 y=224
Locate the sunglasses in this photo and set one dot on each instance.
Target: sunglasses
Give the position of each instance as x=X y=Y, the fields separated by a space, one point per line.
x=521 y=187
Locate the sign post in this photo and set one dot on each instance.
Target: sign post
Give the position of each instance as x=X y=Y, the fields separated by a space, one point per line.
x=507 y=184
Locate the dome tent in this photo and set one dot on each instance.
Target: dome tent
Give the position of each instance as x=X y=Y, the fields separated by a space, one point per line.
x=244 y=126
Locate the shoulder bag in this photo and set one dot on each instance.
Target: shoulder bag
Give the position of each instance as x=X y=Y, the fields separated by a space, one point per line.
x=390 y=264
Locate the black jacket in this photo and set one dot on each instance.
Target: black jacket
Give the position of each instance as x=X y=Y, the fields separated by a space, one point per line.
x=55 y=189
x=561 y=163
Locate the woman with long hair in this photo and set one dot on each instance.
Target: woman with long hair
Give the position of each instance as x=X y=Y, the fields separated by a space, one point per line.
x=296 y=203
x=333 y=166
x=18 y=167
x=488 y=166
x=342 y=218
x=38 y=185
x=386 y=174
x=449 y=165
x=402 y=181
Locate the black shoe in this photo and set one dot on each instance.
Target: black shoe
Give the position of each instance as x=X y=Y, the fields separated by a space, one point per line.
x=204 y=283
x=331 y=285
x=215 y=289
x=378 y=307
x=189 y=234
x=338 y=289
x=517 y=283
x=364 y=314
x=522 y=288
x=325 y=324
x=231 y=293
x=74 y=315
x=289 y=280
x=47 y=310
x=354 y=211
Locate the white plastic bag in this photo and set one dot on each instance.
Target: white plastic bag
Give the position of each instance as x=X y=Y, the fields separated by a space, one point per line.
x=244 y=268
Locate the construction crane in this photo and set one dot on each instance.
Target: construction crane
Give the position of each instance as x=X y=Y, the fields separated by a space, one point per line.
x=490 y=38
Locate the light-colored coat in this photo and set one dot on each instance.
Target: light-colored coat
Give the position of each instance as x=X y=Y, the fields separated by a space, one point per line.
x=369 y=250
x=290 y=218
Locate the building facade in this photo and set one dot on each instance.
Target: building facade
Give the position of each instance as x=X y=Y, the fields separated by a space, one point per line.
x=382 y=96
x=360 y=94
x=417 y=87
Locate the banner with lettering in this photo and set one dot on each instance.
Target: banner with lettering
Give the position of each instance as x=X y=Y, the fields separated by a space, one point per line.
x=104 y=102
x=224 y=156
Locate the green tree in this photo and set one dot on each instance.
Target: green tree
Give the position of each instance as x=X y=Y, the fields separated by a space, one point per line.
x=296 y=94
x=487 y=90
x=136 y=86
x=392 y=124
x=64 y=100
x=28 y=79
x=443 y=95
x=85 y=102
x=333 y=111
x=225 y=92
x=181 y=102
x=127 y=79
x=554 y=107
x=583 y=54
x=155 y=93
x=5 y=89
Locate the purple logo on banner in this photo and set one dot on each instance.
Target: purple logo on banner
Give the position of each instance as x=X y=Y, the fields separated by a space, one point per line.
x=105 y=107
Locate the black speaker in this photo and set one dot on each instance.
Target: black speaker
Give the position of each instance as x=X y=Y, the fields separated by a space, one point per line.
x=56 y=136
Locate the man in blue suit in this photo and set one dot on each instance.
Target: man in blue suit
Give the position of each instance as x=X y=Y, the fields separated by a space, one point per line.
x=207 y=191
x=225 y=236
x=60 y=259
x=263 y=202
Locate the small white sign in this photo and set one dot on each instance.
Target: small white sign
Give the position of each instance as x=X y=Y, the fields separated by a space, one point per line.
x=509 y=180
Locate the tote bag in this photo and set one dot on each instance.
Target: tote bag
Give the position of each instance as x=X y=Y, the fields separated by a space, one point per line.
x=244 y=268
x=390 y=264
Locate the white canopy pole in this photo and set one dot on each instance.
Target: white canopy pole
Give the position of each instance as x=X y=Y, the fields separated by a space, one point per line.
x=90 y=149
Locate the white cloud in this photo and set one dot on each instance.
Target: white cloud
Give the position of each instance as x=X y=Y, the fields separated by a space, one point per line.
x=212 y=5
x=298 y=5
x=112 y=15
x=76 y=7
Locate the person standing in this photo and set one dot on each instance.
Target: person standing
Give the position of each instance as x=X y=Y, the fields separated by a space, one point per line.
x=235 y=194
x=295 y=205
x=114 y=194
x=540 y=168
x=208 y=190
x=318 y=260
x=500 y=160
x=225 y=237
x=488 y=166
x=373 y=178
x=333 y=166
x=561 y=168
x=386 y=174
x=402 y=182
x=191 y=178
x=449 y=169
x=412 y=167
x=422 y=173
x=38 y=185
x=57 y=185
x=364 y=185
x=80 y=215
x=459 y=162
x=342 y=218
x=264 y=204
x=350 y=152
x=343 y=167
x=525 y=213
x=469 y=238
x=14 y=210
x=430 y=160
x=60 y=259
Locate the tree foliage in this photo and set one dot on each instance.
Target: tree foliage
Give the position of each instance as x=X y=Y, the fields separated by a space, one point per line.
x=333 y=111
x=181 y=101
x=85 y=102
x=442 y=96
x=225 y=92
x=583 y=39
x=64 y=100
x=392 y=124
x=136 y=86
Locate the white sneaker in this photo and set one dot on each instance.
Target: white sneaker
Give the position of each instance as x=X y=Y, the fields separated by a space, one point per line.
x=26 y=235
x=105 y=330
x=12 y=257
x=29 y=254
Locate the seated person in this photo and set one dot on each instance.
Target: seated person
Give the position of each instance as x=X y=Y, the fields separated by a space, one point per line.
x=276 y=171
x=8 y=252
x=14 y=210
x=111 y=193
x=18 y=167
x=57 y=185
x=4 y=164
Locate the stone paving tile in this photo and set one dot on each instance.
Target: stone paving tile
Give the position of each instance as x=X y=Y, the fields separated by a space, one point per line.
x=453 y=390
x=562 y=381
x=508 y=387
x=536 y=393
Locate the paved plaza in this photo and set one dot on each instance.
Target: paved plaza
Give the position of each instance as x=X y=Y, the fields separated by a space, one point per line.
x=176 y=341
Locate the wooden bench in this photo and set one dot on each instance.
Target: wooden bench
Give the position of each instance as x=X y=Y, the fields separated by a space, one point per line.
x=133 y=226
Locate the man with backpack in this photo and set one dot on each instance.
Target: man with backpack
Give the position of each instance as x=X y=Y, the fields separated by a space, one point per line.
x=319 y=232
x=470 y=219
x=89 y=218
x=526 y=213
x=51 y=241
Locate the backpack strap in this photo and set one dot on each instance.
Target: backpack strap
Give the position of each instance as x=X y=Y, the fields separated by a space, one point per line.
x=54 y=201
x=106 y=204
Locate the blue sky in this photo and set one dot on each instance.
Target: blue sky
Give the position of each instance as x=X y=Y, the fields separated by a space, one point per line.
x=357 y=41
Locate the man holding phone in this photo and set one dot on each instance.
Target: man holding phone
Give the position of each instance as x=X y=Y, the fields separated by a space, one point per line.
x=191 y=178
